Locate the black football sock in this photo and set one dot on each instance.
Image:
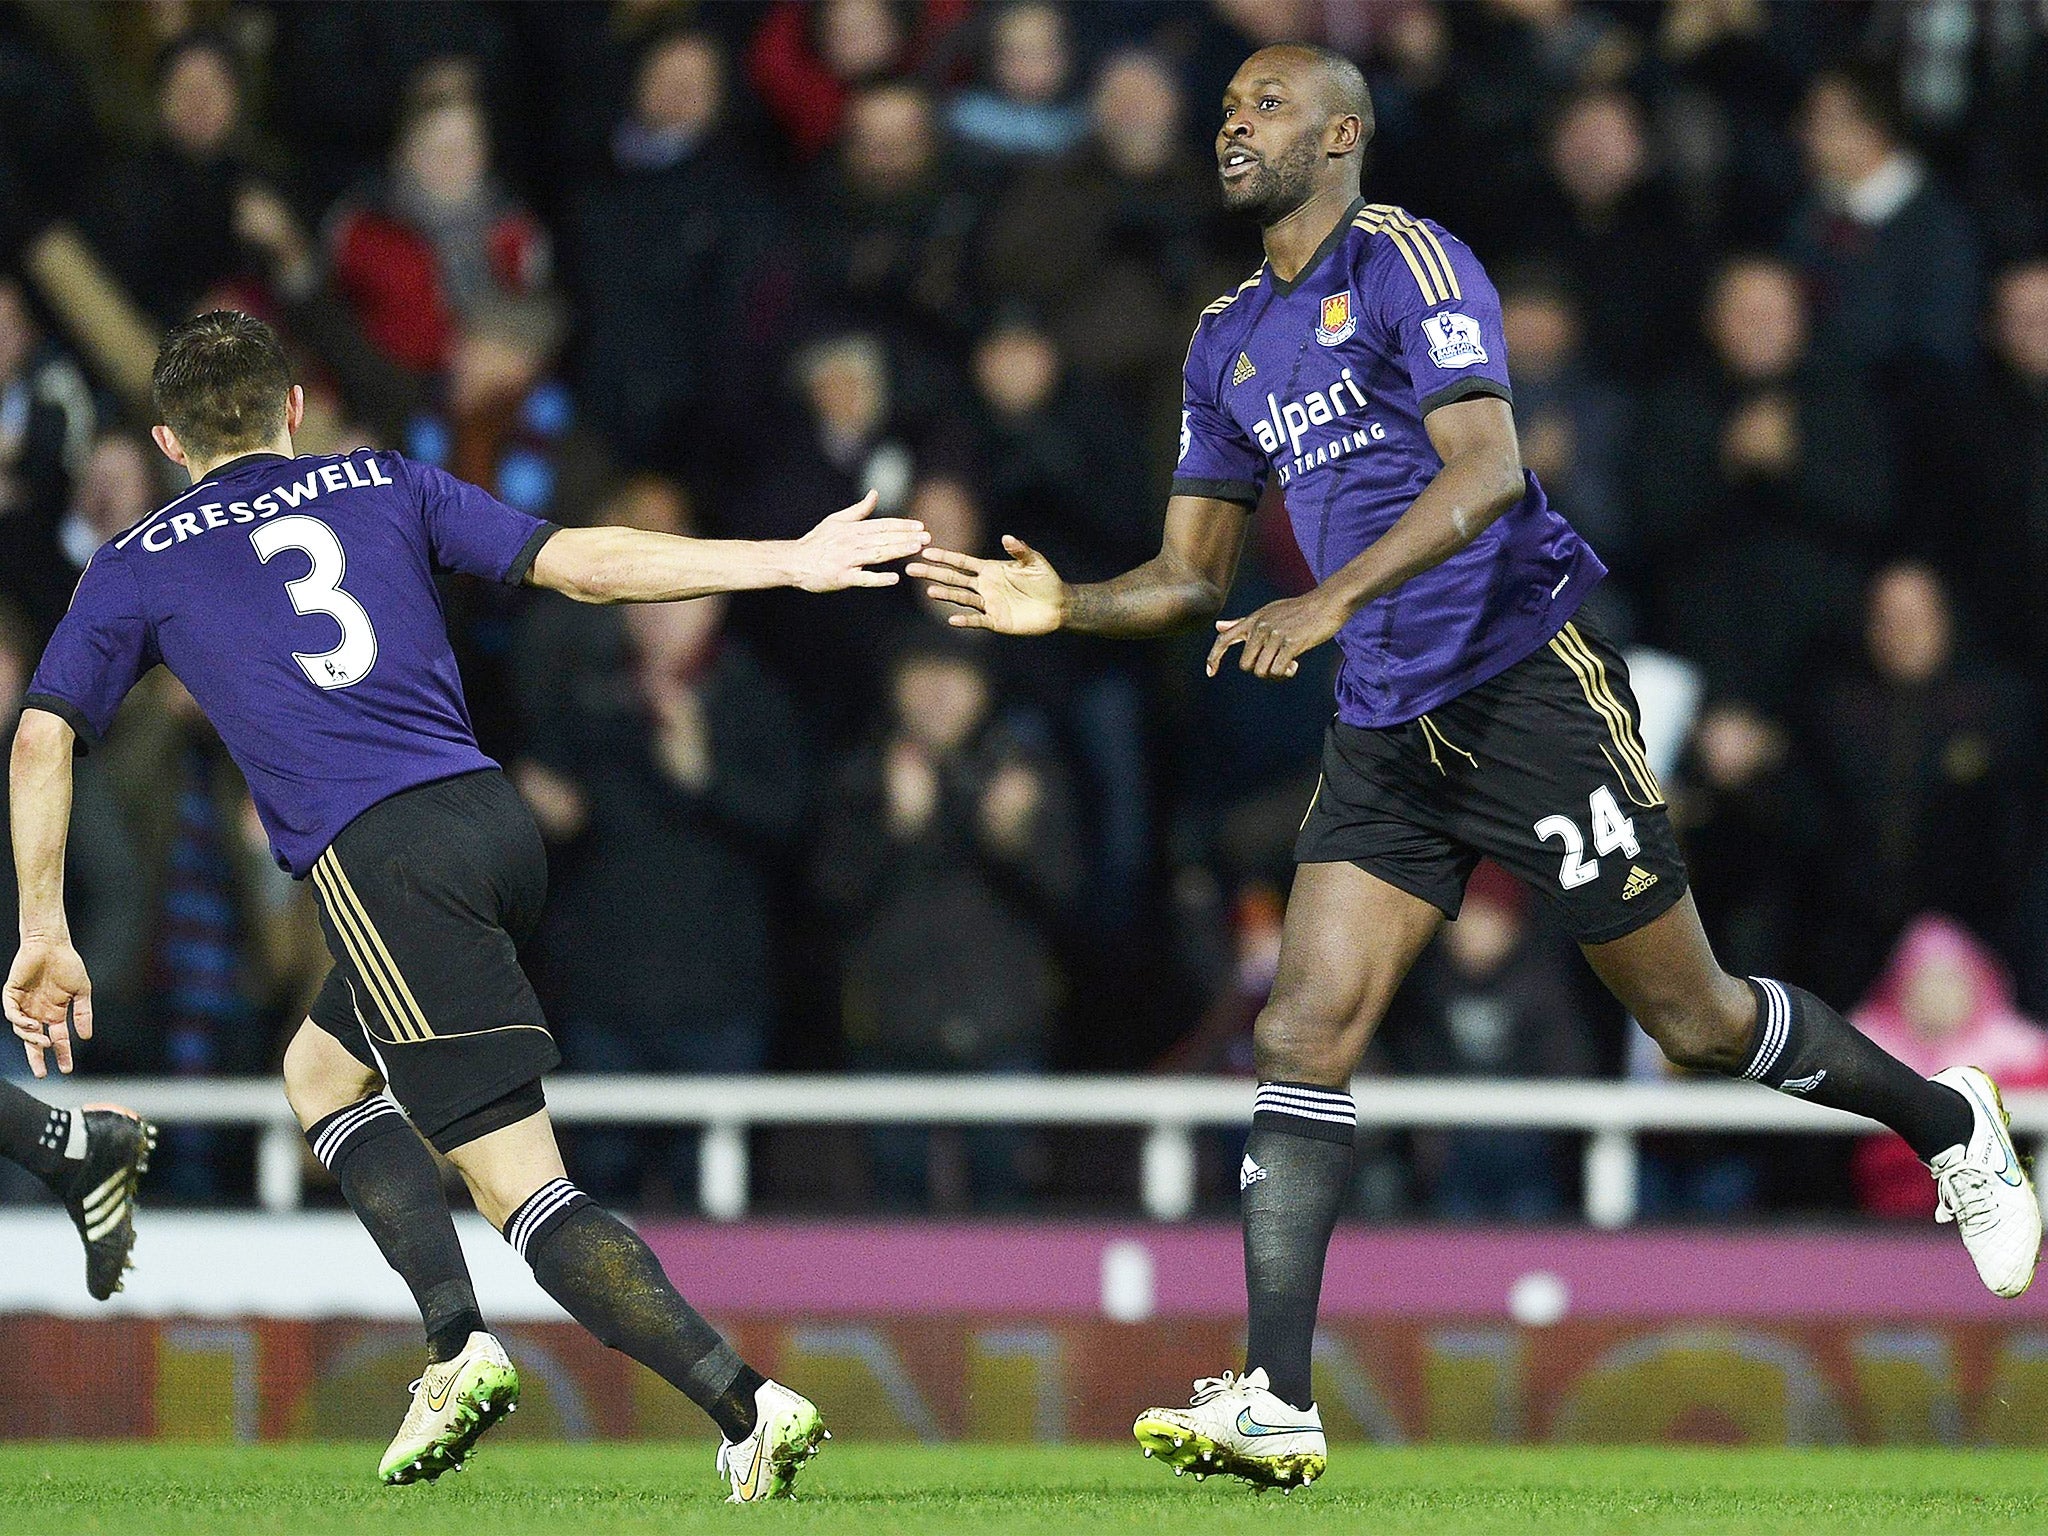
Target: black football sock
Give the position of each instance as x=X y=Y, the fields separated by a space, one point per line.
x=49 y=1143
x=609 y=1280
x=1296 y=1165
x=391 y=1183
x=1803 y=1047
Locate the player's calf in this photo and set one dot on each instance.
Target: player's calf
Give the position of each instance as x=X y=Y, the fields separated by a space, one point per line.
x=392 y=1184
x=608 y=1279
x=1701 y=1029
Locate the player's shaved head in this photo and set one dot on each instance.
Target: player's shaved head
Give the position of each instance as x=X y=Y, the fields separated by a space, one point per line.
x=1339 y=82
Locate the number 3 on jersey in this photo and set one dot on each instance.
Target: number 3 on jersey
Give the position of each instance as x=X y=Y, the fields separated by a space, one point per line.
x=1611 y=831
x=319 y=591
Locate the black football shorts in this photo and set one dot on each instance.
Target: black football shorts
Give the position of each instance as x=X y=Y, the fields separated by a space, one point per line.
x=424 y=898
x=1540 y=769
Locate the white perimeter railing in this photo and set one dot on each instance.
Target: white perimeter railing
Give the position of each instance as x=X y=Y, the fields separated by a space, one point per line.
x=1170 y=1110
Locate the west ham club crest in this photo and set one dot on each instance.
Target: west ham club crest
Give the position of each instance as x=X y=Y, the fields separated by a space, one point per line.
x=1338 y=322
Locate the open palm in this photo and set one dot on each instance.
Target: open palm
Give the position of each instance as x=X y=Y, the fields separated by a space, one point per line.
x=1019 y=596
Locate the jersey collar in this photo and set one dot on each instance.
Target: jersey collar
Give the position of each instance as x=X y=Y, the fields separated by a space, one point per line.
x=1331 y=241
x=236 y=465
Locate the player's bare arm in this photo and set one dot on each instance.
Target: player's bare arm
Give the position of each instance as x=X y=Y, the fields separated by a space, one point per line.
x=1481 y=479
x=48 y=995
x=633 y=565
x=1184 y=584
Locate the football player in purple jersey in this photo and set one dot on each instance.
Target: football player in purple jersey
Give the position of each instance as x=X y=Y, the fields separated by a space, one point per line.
x=294 y=597
x=1362 y=371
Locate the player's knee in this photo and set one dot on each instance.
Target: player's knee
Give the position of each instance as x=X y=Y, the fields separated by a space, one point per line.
x=320 y=1077
x=505 y=1151
x=1296 y=1044
x=1703 y=1033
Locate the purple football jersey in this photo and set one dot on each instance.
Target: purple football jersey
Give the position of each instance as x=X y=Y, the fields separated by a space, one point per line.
x=295 y=599
x=1322 y=385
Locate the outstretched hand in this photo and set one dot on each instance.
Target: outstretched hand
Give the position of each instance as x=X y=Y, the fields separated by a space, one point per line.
x=1019 y=596
x=839 y=552
x=47 y=997
x=1275 y=637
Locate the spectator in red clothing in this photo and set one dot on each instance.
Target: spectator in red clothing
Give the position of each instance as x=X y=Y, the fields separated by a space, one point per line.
x=807 y=61
x=1943 y=1001
x=440 y=257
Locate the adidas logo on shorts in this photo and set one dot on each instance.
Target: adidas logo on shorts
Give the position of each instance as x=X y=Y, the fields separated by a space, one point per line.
x=1639 y=881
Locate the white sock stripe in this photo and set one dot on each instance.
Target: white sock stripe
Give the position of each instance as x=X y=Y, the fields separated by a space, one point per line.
x=1307 y=1091
x=74 y=1138
x=1777 y=1026
x=515 y=1229
x=1323 y=1106
x=1782 y=1013
x=337 y=1135
x=540 y=1205
x=350 y=1121
x=1766 y=1037
x=1316 y=1098
x=344 y=1124
x=339 y=1130
x=1310 y=1105
x=537 y=1218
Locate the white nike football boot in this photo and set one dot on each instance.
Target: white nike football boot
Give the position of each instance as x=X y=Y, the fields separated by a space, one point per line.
x=452 y=1405
x=1235 y=1424
x=1985 y=1192
x=787 y=1433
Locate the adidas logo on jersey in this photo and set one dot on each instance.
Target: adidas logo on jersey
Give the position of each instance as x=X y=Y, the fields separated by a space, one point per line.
x=1249 y=1174
x=1244 y=369
x=1639 y=881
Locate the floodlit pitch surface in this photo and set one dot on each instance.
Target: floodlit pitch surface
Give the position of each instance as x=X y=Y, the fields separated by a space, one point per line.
x=166 y=1490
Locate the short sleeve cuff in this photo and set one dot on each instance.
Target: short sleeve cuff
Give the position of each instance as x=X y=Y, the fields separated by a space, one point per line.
x=528 y=553
x=1241 y=491
x=69 y=713
x=1467 y=389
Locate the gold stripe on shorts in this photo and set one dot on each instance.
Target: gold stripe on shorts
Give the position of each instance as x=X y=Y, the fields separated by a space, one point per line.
x=397 y=977
x=1312 y=799
x=367 y=948
x=372 y=979
x=1571 y=648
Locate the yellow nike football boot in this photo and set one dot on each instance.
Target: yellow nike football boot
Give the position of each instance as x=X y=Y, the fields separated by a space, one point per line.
x=787 y=1433
x=452 y=1405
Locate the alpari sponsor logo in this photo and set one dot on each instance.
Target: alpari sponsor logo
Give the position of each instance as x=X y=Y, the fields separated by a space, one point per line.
x=1287 y=422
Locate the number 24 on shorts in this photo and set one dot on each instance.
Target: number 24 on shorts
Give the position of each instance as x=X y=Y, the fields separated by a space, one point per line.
x=1612 y=832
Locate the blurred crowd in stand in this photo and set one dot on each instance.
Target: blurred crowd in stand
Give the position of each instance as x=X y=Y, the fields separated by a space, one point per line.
x=1776 y=292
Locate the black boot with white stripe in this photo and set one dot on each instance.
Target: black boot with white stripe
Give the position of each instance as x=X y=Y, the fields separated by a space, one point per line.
x=101 y=1199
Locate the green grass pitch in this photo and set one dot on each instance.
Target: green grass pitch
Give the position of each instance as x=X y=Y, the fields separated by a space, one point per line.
x=525 y=1490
